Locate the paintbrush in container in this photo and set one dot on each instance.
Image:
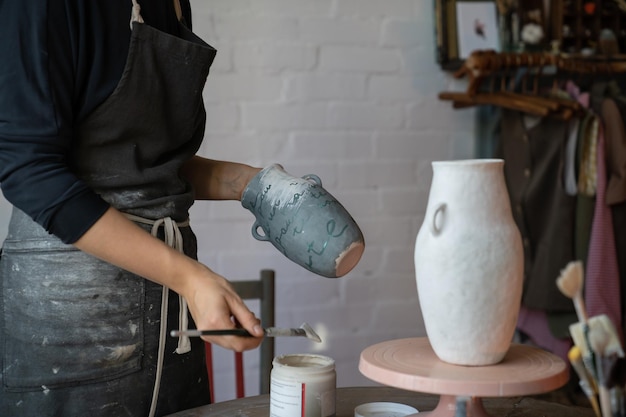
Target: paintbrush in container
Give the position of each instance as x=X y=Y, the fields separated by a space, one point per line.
x=571 y=283
x=599 y=340
x=586 y=381
x=615 y=376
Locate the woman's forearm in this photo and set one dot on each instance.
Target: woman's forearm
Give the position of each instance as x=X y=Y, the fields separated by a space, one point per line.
x=217 y=180
x=117 y=240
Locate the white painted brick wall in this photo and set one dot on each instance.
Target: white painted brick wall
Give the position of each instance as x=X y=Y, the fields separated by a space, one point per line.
x=346 y=89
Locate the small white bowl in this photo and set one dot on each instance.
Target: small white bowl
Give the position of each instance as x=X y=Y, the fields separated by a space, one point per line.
x=383 y=409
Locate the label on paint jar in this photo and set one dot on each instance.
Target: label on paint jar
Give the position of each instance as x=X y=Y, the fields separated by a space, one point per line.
x=303 y=385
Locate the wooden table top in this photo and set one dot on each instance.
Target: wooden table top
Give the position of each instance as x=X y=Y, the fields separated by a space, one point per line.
x=349 y=397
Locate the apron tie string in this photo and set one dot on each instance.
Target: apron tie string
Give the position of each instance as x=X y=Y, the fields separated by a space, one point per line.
x=174 y=239
x=136 y=14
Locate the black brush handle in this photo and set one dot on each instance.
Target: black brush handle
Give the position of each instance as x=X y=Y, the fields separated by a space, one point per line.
x=222 y=332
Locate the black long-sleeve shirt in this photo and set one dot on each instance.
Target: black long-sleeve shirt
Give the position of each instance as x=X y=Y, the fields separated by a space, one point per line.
x=60 y=60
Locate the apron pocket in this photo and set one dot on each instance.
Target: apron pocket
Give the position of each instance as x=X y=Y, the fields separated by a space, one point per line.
x=69 y=318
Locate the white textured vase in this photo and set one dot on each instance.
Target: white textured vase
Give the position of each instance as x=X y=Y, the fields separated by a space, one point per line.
x=469 y=263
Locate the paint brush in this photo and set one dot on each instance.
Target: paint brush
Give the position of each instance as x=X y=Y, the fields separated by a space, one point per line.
x=586 y=382
x=305 y=330
x=599 y=340
x=613 y=368
x=571 y=283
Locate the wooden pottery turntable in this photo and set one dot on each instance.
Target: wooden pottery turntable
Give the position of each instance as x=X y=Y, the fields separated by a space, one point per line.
x=411 y=364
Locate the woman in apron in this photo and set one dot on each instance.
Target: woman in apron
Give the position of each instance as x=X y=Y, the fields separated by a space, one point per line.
x=101 y=189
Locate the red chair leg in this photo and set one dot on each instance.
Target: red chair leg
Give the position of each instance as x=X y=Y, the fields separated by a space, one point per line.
x=208 y=353
x=239 y=374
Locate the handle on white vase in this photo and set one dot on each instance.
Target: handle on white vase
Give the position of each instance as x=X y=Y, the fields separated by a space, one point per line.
x=436 y=228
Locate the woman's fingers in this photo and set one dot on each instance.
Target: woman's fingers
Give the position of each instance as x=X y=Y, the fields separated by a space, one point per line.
x=216 y=305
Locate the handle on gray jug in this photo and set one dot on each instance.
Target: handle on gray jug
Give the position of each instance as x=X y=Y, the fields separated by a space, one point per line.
x=256 y=234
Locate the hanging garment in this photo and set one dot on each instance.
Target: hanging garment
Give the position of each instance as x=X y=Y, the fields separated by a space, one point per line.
x=542 y=210
x=602 y=281
x=82 y=337
x=615 y=150
x=584 y=203
x=586 y=160
x=535 y=325
x=534 y=155
x=616 y=196
x=570 y=182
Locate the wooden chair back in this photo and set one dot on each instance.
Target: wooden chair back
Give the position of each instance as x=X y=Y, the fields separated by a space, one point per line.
x=262 y=289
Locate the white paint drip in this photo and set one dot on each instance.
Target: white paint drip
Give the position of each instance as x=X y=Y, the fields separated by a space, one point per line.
x=133 y=328
x=121 y=353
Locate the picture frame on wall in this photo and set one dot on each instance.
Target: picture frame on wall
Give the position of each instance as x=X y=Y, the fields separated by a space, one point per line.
x=477 y=26
x=464 y=26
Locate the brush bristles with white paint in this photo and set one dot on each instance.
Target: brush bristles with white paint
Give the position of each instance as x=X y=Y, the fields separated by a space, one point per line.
x=599 y=340
x=571 y=283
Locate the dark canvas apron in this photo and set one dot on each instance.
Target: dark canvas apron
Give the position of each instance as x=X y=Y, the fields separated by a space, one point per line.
x=80 y=337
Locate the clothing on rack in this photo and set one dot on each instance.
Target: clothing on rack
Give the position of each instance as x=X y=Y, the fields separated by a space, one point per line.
x=556 y=225
x=564 y=148
x=544 y=213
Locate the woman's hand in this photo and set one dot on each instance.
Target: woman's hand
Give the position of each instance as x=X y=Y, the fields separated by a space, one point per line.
x=214 y=305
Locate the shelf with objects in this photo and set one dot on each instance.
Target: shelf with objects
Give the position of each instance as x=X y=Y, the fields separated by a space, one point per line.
x=575 y=27
x=581 y=26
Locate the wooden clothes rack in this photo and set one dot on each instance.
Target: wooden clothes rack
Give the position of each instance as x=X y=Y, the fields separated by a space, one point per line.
x=501 y=71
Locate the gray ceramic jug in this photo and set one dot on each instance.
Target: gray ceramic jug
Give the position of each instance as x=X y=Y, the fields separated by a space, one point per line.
x=303 y=221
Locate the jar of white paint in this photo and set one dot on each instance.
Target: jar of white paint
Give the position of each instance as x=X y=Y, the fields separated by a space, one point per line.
x=303 y=385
